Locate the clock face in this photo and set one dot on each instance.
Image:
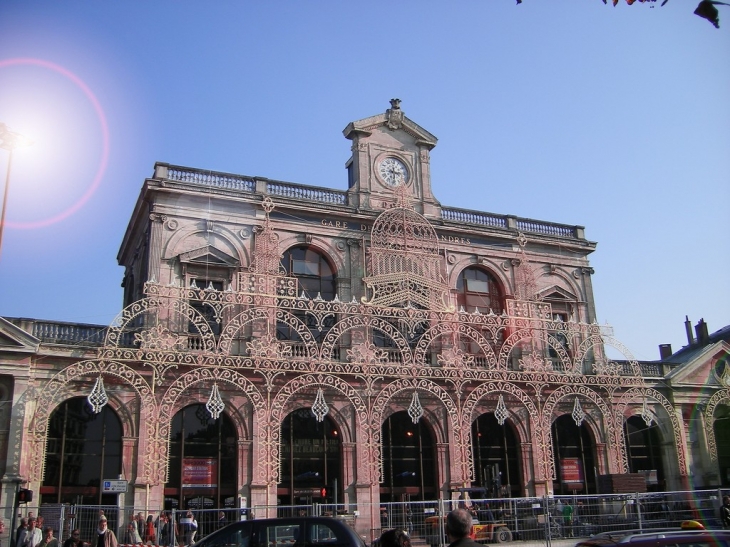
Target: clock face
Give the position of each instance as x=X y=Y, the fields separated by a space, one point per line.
x=393 y=171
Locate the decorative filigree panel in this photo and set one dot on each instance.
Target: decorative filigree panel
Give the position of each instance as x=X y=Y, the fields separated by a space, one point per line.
x=54 y=392
x=720 y=397
x=639 y=395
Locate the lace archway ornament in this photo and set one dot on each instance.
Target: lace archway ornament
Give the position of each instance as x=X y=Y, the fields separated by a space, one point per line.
x=320 y=408
x=501 y=412
x=578 y=414
x=98 y=398
x=646 y=414
x=215 y=404
x=415 y=410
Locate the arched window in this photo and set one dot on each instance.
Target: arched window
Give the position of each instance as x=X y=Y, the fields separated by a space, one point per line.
x=477 y=288
x=316 y=279
x=310 y=458
x=203 y=460
x=83 y=448
x=573 y=449
x=496 y=457
x=643 y=447
x=409 y=462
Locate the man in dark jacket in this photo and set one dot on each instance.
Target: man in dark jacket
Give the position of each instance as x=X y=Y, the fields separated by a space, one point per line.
x=725 y=512
x=458 y=528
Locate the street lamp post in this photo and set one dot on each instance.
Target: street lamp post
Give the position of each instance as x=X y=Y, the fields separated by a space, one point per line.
x=9 y=140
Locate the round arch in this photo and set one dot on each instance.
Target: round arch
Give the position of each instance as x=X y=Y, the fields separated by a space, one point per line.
x=388 y=391
x=280 y=403
x=170 y=404
x=441 y=329
x=349 y=323
x=50 y=397
x=638 y=395
x=524 y=429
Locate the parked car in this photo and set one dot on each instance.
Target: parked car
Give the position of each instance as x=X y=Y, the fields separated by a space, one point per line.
x=284 y=532
x=672 y=538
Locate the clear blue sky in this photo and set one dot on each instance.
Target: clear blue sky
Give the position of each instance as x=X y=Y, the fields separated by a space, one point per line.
x=571 y=111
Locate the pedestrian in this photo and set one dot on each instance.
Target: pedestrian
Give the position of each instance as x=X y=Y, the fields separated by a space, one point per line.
x=33 y=536
x=725 y=512
x=22 y=529
x=104 y=536
x=568 y=519
x=188 y=527
x=48 y=539
x=458 y=529
x=132 y=533
x=149 y=534
x=397 y=537
x=74 y=540
x=222 y=521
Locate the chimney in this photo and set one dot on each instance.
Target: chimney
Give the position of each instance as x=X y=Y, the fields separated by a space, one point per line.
x=688 y=328
x=665 y=351
x=703 y=336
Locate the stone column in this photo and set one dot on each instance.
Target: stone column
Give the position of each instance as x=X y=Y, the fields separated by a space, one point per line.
x=155 y=243
x=348 y=470
x=528 y=471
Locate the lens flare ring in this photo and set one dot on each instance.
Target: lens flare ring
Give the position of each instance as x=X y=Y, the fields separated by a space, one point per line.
x=105 y=141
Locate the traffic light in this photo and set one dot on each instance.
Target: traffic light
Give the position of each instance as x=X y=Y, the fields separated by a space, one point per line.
x=323 y=492
x=25 y=495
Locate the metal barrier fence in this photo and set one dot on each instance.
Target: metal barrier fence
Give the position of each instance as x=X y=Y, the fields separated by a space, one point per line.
x=498 y=520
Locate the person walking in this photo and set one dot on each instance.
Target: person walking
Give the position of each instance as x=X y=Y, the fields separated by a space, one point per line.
x=33 y=536
x=48 y=539
x=725 y=512
x=74 y=540
x=458 y=529
x=568 y=519
x=104 y=536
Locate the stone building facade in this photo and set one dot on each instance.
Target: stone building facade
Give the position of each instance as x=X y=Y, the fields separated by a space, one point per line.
x=282 y=344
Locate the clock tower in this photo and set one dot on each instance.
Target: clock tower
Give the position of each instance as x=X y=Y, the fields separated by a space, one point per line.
x=389 y=150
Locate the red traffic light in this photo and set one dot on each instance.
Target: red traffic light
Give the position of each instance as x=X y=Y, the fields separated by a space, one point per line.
x=323 y=492
x=25 y=495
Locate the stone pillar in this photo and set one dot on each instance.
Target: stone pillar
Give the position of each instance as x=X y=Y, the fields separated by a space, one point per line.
x=444 y=474
x=348 y=470
x=603 y=466
x=245 y=472
x=528 y=470
x=155 y=243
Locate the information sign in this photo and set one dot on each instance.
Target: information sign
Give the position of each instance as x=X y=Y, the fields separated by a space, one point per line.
x=114 y=487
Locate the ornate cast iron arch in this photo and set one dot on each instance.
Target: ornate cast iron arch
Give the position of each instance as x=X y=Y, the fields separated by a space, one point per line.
x=441 y=329
x=403 y=384
x=234 y=326
x=635 y=393
x=48 y=400
x=168 y=408
x=279 y=405
x=368 y=322
x=613 y=435
x=159 y=335
x=717 y=398
x=488 y=388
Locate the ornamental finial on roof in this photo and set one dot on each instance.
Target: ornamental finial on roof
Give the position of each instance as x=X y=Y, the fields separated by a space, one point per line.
x=394 y=114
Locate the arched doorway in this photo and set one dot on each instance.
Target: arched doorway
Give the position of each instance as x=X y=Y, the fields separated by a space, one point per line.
x=643 y=450
x=496 y=457
x=721 y=427
x=203 y=461
x=574 y=453
x=311 y=460
x=83 y=449
x=409 y=460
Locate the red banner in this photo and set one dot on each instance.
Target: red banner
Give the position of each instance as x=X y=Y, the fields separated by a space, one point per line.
x=571 y=470
x=200 y=472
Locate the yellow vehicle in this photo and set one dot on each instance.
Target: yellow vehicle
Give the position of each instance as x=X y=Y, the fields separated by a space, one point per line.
x=490 y=532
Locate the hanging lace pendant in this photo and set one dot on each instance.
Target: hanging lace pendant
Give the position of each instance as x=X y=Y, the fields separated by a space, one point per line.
x=646 y=414
x=98 y=398
x=215 y=404
x=415 y=410
x=320 y=408
x=578 y=414
x=501 y=411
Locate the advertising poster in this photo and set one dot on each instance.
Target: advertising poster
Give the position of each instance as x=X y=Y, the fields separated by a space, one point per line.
x=571 y=470
x=199 y=472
